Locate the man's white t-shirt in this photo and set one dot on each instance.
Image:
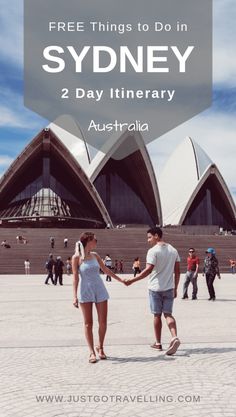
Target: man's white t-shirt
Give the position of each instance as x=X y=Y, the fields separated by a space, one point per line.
x=163 y=256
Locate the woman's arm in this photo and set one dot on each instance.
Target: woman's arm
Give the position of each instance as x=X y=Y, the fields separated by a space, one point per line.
x=105 y=269
x=75 y=264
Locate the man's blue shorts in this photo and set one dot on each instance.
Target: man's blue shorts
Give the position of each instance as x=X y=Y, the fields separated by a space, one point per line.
x=161 y=301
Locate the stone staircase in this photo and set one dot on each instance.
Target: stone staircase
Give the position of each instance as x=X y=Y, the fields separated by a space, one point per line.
x=125 y=244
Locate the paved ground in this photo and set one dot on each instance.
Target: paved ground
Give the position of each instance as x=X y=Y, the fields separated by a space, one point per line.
x=44 y=361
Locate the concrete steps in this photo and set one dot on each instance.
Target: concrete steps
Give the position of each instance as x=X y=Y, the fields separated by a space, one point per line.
x=125 y=244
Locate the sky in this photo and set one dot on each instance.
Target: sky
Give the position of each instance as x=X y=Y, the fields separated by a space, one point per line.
x=214 y=129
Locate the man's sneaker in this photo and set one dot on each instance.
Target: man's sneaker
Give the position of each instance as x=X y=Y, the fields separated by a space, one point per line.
x=184 y=297
x=174 y=344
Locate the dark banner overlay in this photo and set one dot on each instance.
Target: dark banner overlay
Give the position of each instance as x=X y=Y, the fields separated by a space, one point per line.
x=113 y=66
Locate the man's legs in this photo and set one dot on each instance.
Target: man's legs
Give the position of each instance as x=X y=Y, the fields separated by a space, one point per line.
x=157 y=327
x=47 y=279
x=50 y=276
x=171 y=323
x=155 y=300
x=194 y=284
x=168 y=299
x=175 y=342
x=186 y=284
x=108 y=278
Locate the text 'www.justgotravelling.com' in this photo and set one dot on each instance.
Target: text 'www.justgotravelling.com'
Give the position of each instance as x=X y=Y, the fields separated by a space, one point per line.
x=118 y=399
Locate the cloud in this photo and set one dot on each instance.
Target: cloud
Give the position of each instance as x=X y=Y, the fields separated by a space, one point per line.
x=5 y=160
x=13 y=114
x=9 y=118
x=224 y=34
x=11 y=40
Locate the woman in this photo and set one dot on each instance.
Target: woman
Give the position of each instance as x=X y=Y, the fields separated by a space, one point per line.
x=136 y=266
x=86 y=264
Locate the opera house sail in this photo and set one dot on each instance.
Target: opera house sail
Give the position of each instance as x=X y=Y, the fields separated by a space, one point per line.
x=46 y=184
x=193 y=191
x=124 y=178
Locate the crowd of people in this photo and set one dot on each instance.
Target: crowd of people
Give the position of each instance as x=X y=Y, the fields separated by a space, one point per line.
x=118 y=265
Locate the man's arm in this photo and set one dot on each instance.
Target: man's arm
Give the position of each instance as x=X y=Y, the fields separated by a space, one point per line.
x=143 y=274
x=176 y=277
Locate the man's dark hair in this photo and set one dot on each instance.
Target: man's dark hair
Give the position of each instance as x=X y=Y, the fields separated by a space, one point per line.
x=155 y=231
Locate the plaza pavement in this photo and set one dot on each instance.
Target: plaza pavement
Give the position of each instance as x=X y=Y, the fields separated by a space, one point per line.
x=44 y=359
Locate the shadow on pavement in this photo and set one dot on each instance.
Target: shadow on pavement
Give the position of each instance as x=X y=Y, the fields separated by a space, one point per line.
x=205 y=351
x=181 y=353
x=160 y=357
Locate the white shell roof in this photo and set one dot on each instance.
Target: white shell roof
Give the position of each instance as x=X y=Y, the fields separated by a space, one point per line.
x=180 y=177
x=202 y=159
x=74 y=142
x=113 y=149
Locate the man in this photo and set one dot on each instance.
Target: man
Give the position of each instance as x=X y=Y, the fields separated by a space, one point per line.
x=162 y=263
x=191 y=274
x=65 y=242
x=108 y=264
x=211 y=269
x=50 y=264
x=58 y=270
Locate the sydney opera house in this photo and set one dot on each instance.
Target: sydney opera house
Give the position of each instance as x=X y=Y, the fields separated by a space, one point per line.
x=54 y=182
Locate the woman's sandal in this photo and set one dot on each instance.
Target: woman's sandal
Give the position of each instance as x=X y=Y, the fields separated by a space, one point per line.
x=157 y=346
x=100 y=352
x=92 y=358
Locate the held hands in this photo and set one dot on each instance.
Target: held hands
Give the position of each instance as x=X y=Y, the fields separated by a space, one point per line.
x=128 y=281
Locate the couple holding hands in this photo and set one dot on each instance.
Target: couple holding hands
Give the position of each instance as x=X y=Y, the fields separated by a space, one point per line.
x=162 y=267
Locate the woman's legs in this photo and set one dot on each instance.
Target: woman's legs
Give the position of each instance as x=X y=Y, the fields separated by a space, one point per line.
x=87 y=310
x=102 y=321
